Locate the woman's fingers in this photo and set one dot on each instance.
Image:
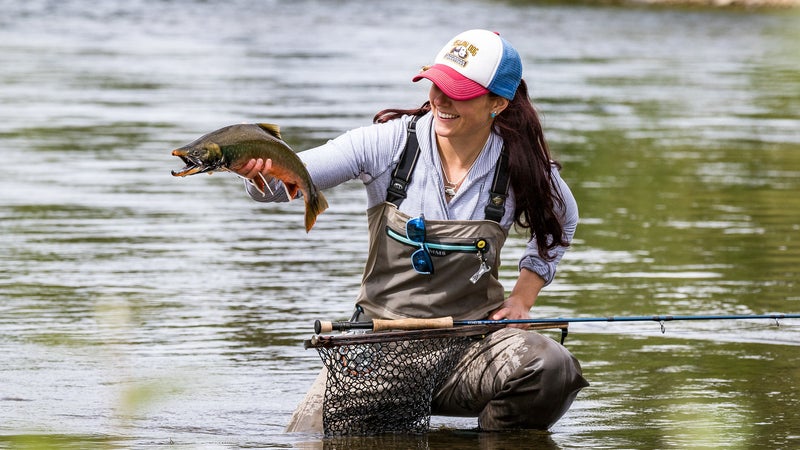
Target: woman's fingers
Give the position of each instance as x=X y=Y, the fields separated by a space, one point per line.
x=255 y=166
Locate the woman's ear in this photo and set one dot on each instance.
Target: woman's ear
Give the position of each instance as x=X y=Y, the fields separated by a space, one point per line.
x=499 y=104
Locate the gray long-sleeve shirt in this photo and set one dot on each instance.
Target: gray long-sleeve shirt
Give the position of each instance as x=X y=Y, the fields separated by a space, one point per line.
x=370 y=155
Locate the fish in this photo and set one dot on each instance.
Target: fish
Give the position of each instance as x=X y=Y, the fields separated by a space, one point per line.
x=231 y=147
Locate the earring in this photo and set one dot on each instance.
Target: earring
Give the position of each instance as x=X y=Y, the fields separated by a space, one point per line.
x=493 y=115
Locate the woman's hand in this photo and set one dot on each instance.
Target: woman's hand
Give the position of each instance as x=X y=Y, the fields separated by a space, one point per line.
x=518 y=305
x=513 y=308
x=252 y=168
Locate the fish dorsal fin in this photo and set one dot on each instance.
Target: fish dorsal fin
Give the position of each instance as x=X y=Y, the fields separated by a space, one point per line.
x=271 y=129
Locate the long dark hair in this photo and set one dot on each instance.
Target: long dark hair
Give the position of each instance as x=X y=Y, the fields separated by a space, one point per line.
x=536 y=193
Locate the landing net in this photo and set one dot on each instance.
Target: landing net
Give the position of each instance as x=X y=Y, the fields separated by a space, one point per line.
x=384 y=382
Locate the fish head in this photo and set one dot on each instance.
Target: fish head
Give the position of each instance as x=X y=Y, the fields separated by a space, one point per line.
x=199 y=157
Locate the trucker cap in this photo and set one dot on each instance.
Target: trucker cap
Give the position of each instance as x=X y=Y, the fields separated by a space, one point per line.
x=474 y=63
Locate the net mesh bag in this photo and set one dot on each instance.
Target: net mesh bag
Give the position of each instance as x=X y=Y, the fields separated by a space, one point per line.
x=384 y=382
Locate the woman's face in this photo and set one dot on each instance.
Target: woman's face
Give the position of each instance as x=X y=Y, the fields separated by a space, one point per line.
x=454 y=119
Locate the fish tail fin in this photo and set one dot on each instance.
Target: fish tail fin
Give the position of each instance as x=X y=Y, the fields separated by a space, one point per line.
x=316 y=203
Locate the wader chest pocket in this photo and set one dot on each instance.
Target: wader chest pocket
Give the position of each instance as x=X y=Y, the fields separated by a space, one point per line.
x=478 y=247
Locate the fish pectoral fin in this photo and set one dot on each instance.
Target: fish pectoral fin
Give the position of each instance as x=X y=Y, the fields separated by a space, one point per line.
x=263 y=183
x=253 y=183
x=271 y=129
x=291 y=190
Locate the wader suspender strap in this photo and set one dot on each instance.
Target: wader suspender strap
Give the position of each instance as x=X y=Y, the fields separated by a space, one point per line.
x=496 y=209
x=401 y=176
x=396 y=192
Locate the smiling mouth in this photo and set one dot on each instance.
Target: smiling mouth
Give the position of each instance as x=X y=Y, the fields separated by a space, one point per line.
x=442 y=115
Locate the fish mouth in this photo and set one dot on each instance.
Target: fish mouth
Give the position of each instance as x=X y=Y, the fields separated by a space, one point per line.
x=193 y=166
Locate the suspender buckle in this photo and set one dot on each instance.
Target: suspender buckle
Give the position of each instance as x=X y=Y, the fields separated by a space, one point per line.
x=495 y=208
x=396 y=190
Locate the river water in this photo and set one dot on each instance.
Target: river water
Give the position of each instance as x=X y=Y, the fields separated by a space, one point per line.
x=139 y=310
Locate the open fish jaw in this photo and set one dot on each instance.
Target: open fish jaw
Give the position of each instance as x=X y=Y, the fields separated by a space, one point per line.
x=192 y=167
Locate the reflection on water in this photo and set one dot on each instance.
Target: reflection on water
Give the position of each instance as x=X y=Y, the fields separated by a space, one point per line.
x=141 y=309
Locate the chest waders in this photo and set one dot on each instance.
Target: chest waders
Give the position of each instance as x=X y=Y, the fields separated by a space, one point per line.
x=465 y=254
x=511 y=378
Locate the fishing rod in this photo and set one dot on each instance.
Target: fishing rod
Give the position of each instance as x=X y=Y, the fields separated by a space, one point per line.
x=448 y=322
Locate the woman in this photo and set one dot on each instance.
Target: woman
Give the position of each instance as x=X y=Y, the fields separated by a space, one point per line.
x=445 y=183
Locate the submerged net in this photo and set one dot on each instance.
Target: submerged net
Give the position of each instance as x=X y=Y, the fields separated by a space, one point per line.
x=384 y=382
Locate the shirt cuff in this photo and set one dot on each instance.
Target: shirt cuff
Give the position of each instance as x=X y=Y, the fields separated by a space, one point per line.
x=542 y=268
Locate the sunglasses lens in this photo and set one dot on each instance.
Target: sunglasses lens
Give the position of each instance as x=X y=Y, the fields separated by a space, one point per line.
x=415 y=229
x=421 y=261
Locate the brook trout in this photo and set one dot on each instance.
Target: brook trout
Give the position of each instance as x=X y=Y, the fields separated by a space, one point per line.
x=233 y=146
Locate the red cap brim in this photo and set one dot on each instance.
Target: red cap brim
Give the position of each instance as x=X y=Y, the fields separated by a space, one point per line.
x=452 y=83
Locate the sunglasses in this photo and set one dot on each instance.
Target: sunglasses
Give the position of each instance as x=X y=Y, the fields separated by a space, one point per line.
x=421 y=258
